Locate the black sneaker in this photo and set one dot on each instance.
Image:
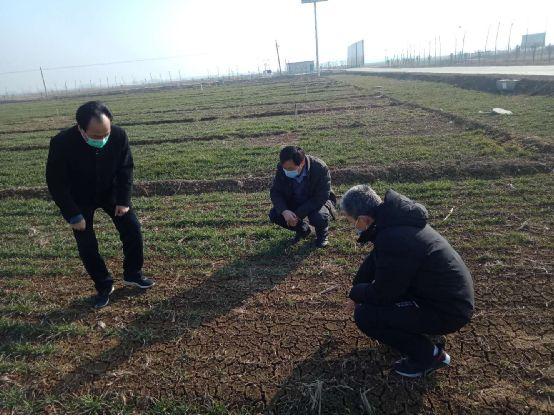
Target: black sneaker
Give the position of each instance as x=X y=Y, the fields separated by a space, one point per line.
x=139 y=281
x=409 y=368
x=102 y=298
x=322 y=242
x=300 y=235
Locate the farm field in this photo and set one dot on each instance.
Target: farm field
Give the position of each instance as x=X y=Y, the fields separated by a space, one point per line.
x=240 y=321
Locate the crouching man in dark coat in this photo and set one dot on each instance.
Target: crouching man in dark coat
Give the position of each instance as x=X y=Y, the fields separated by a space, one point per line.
x=302 y=189
x=89 y=167
x=412 y=285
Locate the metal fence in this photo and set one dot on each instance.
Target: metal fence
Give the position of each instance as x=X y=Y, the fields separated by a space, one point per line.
x=517 y=56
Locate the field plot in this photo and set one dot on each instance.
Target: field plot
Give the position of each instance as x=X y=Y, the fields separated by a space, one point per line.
x=240 y=321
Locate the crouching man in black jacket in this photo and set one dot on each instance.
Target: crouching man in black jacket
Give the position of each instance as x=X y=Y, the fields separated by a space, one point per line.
x=413 y=284
x=302 y=188
x=90 y=166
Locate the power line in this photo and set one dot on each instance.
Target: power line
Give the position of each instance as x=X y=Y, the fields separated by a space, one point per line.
x=19 y=72
x=103 y=64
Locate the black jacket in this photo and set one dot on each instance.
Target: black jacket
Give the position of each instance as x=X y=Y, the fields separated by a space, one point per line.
x=319 y=188
x=410 y=260
x=79 y=175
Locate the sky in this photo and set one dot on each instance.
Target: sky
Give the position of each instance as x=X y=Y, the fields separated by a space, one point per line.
x=206 y=37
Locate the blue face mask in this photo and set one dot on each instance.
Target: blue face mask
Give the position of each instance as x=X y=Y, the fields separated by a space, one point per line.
x=290 y=173
x=98 y=144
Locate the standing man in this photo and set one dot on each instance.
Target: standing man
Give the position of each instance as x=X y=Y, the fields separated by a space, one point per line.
x=90 y=166
x=413 y=283
x=302 y=188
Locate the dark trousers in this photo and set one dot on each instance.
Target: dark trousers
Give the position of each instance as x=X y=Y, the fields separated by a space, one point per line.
x=130 y=235
x=405 y=326
x=319 y=219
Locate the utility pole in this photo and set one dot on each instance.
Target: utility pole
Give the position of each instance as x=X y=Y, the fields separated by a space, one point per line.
x=278 y=58
x=43 y=83
x=316 y=39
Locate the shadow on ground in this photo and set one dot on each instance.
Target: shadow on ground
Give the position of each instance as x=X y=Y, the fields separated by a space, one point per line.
x=358 y=382
x=175 y=318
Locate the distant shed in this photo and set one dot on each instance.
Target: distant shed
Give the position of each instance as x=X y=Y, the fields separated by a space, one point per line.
x=304 y=67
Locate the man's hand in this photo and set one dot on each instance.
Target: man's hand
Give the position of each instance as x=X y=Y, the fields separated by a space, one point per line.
x=291 y=218
x=349 y=306
x=79 y=226
x=121 y=210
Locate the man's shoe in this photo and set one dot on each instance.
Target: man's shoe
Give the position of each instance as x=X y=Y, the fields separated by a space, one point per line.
x=409 y=368
x=102 y=298
x=322 y=237
x=139 y=281
x=300 y=235
x=322 y=242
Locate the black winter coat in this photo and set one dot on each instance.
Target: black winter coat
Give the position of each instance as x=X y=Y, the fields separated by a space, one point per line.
x=319 y=188
x=410 y=260
x=79 y=175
